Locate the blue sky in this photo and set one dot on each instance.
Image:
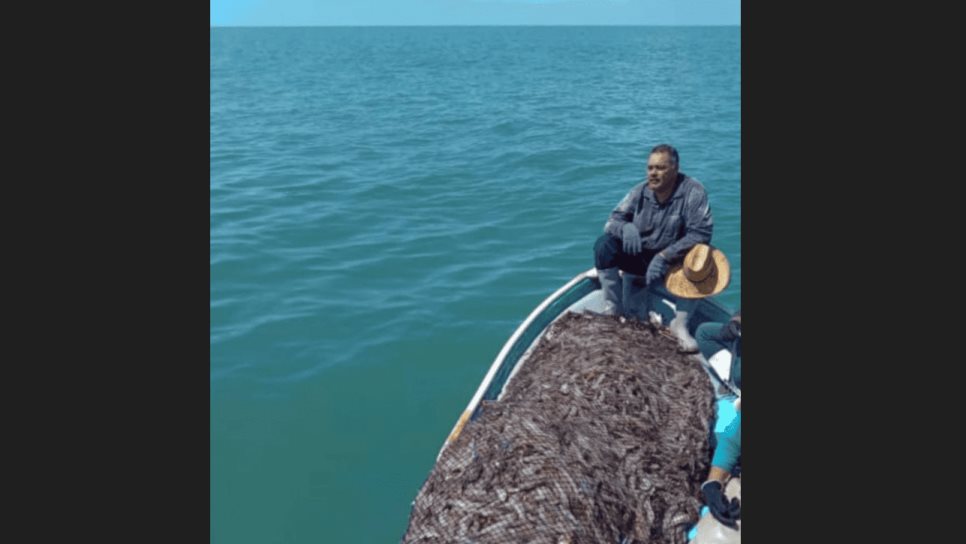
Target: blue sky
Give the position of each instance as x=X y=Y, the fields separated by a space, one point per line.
x=473 y=12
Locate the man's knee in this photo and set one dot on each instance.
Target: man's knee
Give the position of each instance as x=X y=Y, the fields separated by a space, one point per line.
x=707 y=331
x=708 y=339
x=606 y=250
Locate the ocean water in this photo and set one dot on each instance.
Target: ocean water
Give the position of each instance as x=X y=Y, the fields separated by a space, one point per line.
x=387 y=205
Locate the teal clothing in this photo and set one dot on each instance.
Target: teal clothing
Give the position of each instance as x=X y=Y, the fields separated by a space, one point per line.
x=728 y=450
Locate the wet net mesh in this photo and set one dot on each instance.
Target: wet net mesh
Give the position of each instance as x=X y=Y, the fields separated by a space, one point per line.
x=603 y=436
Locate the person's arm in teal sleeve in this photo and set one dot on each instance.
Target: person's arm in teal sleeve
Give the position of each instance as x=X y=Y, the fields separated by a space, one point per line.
x=726 y=511
x=729 y=447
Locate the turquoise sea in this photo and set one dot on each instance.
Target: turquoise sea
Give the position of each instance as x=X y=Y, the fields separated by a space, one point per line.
x=387 y=205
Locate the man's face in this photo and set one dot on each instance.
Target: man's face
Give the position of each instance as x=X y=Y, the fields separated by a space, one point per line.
x=661 y=172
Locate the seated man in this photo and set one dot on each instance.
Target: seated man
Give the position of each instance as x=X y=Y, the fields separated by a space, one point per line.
x=654 y=226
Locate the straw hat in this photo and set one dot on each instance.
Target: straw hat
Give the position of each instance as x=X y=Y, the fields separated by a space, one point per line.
x=704 y=272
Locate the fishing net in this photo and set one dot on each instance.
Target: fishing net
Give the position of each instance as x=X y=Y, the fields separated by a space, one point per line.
x=602 y=436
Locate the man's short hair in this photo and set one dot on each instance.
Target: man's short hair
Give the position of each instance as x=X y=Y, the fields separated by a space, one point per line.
x=665 y=148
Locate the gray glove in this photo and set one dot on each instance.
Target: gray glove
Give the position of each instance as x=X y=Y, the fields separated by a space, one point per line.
x=657 y=269
x=631 y=238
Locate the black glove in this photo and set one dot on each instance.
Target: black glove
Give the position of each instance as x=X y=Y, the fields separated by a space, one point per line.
x=734 y=327
x=727 y=512
x=730 y=330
